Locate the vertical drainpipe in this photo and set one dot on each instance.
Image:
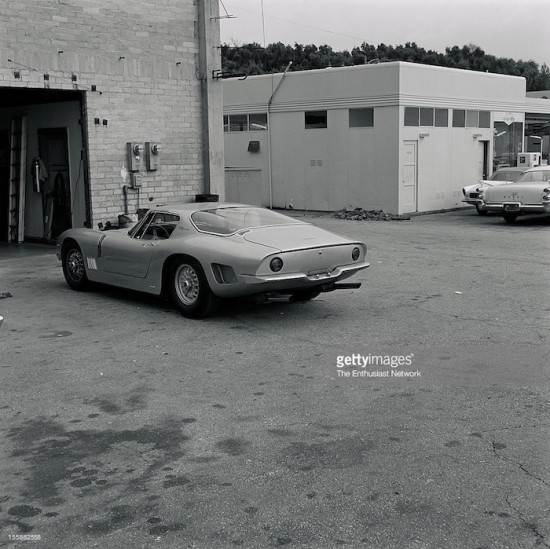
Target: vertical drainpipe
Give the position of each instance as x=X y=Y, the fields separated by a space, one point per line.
x=211 y=96
x=269 y=135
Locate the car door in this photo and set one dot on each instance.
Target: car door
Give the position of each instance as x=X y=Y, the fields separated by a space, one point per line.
x=129 y=253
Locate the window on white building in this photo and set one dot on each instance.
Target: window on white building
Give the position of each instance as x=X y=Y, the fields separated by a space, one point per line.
x=361 y=118
x=412 y=116
x=484 y=119
x=459 y=118
x=245 y=122
x=471 y=119
x=315 y=119
x=257 y=122
x=426 y=116
x=441 y=118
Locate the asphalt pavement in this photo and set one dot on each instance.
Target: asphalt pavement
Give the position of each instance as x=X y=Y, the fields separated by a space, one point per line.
x=410 y=413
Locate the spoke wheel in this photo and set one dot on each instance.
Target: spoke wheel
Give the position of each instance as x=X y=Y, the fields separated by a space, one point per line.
x=187 y=284
x=73 y=267
x=189 y=289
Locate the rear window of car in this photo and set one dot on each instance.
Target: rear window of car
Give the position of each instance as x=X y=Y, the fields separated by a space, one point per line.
x=535 y=177
x=224 y=221
x=505 y=176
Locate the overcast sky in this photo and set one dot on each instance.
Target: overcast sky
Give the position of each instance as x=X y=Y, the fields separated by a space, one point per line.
x=518 y=29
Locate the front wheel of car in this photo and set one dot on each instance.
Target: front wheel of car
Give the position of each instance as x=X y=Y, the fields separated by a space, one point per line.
x=480 y=211
x=190 y=291
x=73 y=267
x=510 y=217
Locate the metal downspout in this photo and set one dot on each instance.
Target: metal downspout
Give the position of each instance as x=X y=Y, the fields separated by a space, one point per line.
x=269 y=135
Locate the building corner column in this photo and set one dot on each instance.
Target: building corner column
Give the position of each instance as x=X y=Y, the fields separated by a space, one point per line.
x=211 y=97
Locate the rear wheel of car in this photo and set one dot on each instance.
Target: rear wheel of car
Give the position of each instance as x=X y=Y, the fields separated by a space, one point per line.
x=480 y=211
x=73 y=267
x=189 y=289
x=510 y=217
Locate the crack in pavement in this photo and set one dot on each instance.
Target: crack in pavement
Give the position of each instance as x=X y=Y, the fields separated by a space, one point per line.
x=529 y=525
x=519 y=465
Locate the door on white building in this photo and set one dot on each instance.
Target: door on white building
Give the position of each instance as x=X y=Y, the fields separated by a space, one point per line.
x=408 y=191
x=483 y=164
x=244 y=186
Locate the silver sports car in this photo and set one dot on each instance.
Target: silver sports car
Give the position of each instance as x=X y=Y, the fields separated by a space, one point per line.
x=199 y=253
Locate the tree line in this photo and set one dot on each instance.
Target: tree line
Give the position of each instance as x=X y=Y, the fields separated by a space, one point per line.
x=253 y=59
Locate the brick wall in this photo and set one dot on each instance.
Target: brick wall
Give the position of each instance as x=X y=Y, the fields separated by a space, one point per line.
x=142 y=58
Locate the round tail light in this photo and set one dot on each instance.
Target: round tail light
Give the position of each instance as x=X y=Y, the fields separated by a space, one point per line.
x=276 y=264
x=355 y=254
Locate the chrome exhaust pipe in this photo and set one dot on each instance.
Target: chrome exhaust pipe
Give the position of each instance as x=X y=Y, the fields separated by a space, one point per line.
x=279 y=298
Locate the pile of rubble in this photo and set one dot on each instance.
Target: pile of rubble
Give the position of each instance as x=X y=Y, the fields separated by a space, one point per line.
x=359 y=214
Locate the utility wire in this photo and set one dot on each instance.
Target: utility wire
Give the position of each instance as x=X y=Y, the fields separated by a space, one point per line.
x=296 y=23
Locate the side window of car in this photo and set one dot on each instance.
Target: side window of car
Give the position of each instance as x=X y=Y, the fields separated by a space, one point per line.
x=143 y=227
x=159 y=227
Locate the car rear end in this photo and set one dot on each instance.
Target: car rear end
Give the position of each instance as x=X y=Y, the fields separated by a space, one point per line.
x=523 y=198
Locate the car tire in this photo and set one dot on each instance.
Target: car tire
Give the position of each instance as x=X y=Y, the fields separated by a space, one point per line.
x=189 y=289
x=306 y=295
x=480 y=211
x=74 y=269
x=510 y=217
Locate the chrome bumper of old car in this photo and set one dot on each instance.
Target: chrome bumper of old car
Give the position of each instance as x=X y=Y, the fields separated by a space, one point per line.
x=518 y=207
x=304 y=279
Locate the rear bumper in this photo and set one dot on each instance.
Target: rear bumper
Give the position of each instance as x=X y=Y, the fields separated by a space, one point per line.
x=516 y=207
x=253 y=284
x=302 y=279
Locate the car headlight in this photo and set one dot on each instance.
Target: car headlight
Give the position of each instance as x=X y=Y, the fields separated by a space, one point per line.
x=355 y=254
x=276 y=264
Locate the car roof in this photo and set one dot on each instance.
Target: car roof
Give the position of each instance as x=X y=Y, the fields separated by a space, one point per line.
x=539 y=169
x=190 y=207
x=511 y=169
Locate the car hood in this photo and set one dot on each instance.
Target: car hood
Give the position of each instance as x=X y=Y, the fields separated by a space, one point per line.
x=293 y=237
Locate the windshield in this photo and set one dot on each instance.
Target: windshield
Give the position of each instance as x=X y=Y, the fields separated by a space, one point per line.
x=540 y=176
x=504 y=176
x=225 y=221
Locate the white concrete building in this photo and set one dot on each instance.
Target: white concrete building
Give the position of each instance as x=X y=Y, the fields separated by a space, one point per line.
x=397 y=136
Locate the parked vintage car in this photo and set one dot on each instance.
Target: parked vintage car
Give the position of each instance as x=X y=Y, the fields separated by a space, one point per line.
x=504 y=176
x=200 y=253
x=529 y=194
